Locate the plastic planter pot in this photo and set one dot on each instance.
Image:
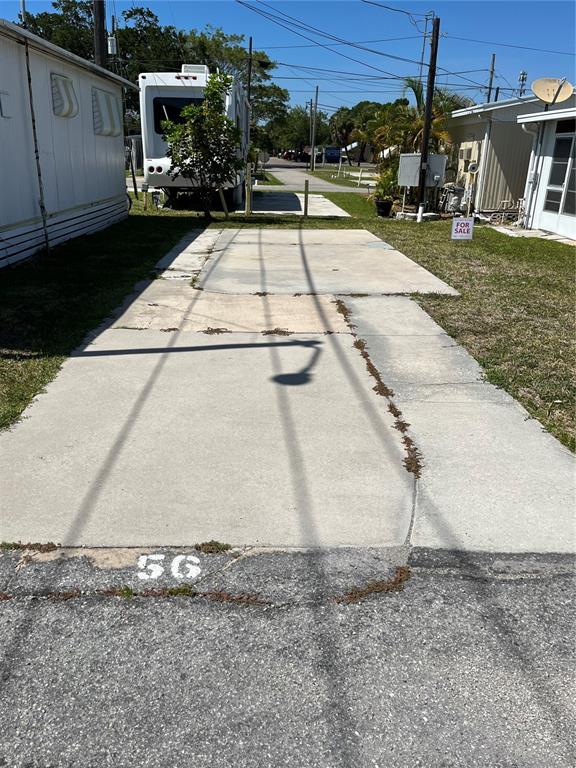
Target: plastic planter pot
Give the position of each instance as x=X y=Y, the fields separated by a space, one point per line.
x=383 y=207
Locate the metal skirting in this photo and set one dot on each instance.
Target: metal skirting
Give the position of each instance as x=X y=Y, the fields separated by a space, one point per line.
x=18 y=243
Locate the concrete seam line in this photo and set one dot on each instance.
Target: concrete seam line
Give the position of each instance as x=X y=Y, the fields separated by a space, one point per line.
x=413 y=460
x=408 y=539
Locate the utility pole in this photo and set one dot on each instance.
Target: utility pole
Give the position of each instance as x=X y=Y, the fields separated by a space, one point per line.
x=313 y=142
x=249 y=88
x=522 y=77
x=423 y=47
x=428 y=117
x=99 y=33
x=248 y=177
x=491 y=80
x=23 y=13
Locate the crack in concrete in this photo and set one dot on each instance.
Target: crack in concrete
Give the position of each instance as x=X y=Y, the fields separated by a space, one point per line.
x=413 y=461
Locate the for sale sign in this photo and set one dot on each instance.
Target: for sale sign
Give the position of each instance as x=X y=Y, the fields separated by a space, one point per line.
x=462 y=229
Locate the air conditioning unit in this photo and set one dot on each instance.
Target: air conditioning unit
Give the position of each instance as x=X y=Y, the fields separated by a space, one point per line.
x=195 y=69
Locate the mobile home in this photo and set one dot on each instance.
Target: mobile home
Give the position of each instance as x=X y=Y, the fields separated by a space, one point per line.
x=61 y=145
x=163 y=95
x=489 y=154
x=550 y=194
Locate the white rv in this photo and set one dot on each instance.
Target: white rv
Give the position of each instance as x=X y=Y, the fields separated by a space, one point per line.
x=163 y=95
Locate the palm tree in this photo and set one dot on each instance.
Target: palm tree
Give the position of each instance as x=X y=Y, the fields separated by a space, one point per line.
x=444 y=102
x=400 y=125
x=341 y=126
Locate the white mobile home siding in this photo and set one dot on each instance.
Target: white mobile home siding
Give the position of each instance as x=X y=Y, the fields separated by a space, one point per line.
x=507 y=160
x=82 y=172
x=490 y=135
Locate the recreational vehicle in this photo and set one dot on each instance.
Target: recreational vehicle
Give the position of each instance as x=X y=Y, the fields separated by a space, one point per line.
x=163 y=95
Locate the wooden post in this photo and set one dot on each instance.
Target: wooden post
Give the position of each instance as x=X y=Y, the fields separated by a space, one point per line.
x=133 y=170
x=223 y=201
x=248 y=208
x=427 y=119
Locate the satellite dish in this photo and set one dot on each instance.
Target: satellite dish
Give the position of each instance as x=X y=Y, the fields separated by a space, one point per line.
x=552 y=90
x=473 y=168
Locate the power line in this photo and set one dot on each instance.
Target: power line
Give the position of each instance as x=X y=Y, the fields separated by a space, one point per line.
x=314 y=30
x=275 y=20
x=508 y=45
x=333 y=45
x=362 y=75
x=396 y=10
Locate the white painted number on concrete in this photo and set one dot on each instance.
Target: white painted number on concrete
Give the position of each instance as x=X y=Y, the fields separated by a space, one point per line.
x=182 y=567
x=150 y=567
x=185 y=567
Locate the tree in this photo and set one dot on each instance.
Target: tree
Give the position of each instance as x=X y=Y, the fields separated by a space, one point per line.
x=145 y=45
x=341 y=125
x=363 y=116
x=70 y=26
x=443 y=103
x=204 y=148
x=227 y=53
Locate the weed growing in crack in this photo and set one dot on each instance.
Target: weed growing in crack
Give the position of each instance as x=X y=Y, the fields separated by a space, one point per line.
x=69 y=594
x=226 y=597
x=212 y=331
x=7 y=546
x=395 y=584
x=277 y=332
x=343 y=310
x=413 y=458
x=212 y=547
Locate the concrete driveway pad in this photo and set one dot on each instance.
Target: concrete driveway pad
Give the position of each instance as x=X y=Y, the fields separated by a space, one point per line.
x=313 y=261
x=175 y=304
x=292 y=204
x=150 y=438
x=493 y=480
x=187 y=257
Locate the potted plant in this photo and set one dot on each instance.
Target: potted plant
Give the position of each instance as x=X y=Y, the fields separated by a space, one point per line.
x=383 y=194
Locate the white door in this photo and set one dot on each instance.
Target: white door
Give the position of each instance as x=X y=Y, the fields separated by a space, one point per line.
x=557 y=198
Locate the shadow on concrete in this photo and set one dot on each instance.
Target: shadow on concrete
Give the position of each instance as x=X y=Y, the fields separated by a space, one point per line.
x=338 y=706
x=278 y=202
x=205 y=348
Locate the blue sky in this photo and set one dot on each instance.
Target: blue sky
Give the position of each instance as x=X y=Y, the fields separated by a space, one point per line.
x=534 y=25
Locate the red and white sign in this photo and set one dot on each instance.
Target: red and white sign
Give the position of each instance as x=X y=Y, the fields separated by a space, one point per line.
x=462 y=229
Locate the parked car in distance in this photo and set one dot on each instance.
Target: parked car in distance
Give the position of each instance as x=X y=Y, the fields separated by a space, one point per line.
x=332 y=154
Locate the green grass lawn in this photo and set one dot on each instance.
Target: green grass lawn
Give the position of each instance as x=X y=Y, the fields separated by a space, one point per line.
x=49 y=304
x=515 y=314
x=329 y=174
x=269 y=179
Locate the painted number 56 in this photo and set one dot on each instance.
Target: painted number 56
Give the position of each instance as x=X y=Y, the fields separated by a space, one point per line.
x=182 y=567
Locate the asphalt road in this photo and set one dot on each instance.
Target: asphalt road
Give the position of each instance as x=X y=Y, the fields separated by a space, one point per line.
x=471 y=664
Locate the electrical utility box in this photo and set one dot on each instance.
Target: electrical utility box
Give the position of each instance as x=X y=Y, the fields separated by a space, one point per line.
x=409 y=170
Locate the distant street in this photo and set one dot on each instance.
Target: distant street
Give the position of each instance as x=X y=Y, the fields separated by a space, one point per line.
x=292 y=175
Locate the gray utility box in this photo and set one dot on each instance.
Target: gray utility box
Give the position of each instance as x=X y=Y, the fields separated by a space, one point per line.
x=409 y=170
